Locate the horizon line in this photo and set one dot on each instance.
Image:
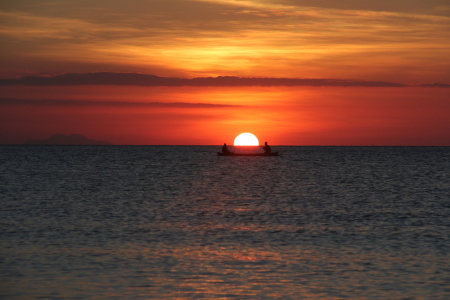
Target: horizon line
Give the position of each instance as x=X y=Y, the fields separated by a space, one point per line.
x=218 y=145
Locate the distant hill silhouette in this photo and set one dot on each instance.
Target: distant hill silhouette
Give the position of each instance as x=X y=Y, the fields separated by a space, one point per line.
x=111 y=78
x=62 y=139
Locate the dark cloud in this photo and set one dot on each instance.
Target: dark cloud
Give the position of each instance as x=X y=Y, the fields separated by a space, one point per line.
x=62 y=139
x=441 y=85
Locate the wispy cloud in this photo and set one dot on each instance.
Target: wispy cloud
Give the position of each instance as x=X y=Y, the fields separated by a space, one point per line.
x=88 y=103
x=439 y=7
x=227 y=37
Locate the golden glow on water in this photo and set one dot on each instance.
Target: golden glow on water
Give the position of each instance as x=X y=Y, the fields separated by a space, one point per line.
x=216 y=272
x=249 y=273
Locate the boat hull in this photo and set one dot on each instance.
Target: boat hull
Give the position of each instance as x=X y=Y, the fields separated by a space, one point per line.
x=247 y=154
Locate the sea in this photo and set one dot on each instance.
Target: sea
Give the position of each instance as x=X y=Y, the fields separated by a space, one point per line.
x=180 y=222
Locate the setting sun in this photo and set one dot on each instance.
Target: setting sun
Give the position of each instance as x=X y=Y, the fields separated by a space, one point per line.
x=246 y=139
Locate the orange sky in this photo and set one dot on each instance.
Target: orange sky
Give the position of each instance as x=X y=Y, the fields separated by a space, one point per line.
x=396 y=41
x=182 y=115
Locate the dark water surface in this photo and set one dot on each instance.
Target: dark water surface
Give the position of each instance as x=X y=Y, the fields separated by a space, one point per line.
x=170 y=222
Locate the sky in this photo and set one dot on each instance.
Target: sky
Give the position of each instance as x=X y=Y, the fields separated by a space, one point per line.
x=403 y=42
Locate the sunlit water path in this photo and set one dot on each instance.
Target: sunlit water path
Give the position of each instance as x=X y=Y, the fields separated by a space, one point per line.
x=157 y=222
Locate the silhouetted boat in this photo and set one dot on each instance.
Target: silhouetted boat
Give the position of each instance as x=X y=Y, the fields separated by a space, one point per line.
x=247 y=154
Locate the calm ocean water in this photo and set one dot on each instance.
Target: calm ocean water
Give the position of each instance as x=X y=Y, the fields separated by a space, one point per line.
x=179 y=222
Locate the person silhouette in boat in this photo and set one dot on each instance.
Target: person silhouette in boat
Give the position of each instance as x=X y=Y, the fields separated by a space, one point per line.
x=267 y=149
x=225 y=149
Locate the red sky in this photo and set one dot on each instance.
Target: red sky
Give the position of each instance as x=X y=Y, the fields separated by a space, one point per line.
x=396 y=41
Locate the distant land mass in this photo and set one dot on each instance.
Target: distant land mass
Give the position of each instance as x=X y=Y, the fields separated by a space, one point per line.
x=136 y=79
x=62 y=139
